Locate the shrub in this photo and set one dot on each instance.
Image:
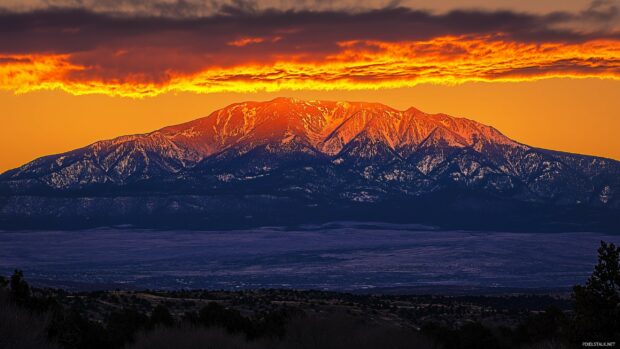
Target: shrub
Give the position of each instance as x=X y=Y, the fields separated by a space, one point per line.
x=22 y=329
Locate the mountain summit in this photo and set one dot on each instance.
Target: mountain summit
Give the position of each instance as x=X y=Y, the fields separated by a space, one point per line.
x=254 y=159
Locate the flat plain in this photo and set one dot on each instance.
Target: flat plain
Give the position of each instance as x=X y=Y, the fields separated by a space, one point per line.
x=340 y=256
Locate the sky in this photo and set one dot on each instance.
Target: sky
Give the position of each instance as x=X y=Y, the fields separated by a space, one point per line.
x=546 y=73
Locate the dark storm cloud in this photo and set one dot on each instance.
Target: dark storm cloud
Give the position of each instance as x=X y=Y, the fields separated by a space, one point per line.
x=602 y=10
x=69 y=30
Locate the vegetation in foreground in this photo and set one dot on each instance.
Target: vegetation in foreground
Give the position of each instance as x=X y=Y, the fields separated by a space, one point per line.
x=46 y=318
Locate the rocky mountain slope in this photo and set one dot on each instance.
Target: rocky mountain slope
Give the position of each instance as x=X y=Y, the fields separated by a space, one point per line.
x=322 y=159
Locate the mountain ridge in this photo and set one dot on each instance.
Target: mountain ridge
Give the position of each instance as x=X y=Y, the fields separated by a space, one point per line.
x=315 y=154
x=176 y=137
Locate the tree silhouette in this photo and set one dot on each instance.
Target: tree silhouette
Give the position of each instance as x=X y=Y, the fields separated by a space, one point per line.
x=20 y=290
x=597 y=304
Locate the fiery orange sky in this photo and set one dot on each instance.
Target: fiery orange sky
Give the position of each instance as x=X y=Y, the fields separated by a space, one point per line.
x=75 y=72
x=357 y=65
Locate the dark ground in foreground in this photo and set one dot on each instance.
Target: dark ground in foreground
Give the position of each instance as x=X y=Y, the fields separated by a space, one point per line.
x=294 y=319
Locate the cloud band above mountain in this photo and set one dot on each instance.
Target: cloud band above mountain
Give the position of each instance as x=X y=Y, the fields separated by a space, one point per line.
x=244 y=49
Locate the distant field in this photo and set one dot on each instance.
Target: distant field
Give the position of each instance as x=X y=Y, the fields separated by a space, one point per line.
x=338 y=256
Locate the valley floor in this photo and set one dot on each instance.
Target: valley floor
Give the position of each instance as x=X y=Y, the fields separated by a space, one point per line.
x=342 y=256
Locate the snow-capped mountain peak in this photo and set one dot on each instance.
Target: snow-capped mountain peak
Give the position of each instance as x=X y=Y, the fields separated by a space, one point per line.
x=357 y=146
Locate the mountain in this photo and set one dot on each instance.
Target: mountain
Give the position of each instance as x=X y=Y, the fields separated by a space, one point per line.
x=290 y=161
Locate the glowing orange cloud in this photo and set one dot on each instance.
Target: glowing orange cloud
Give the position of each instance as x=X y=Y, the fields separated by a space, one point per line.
x=246 y=41
x=252 y=40
x=357 y=65
x=23 y=73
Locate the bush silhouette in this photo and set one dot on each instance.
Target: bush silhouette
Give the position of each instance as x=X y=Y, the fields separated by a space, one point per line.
x=215 y=315
x=161 y=316
x=543 y=326
x=21 y=328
